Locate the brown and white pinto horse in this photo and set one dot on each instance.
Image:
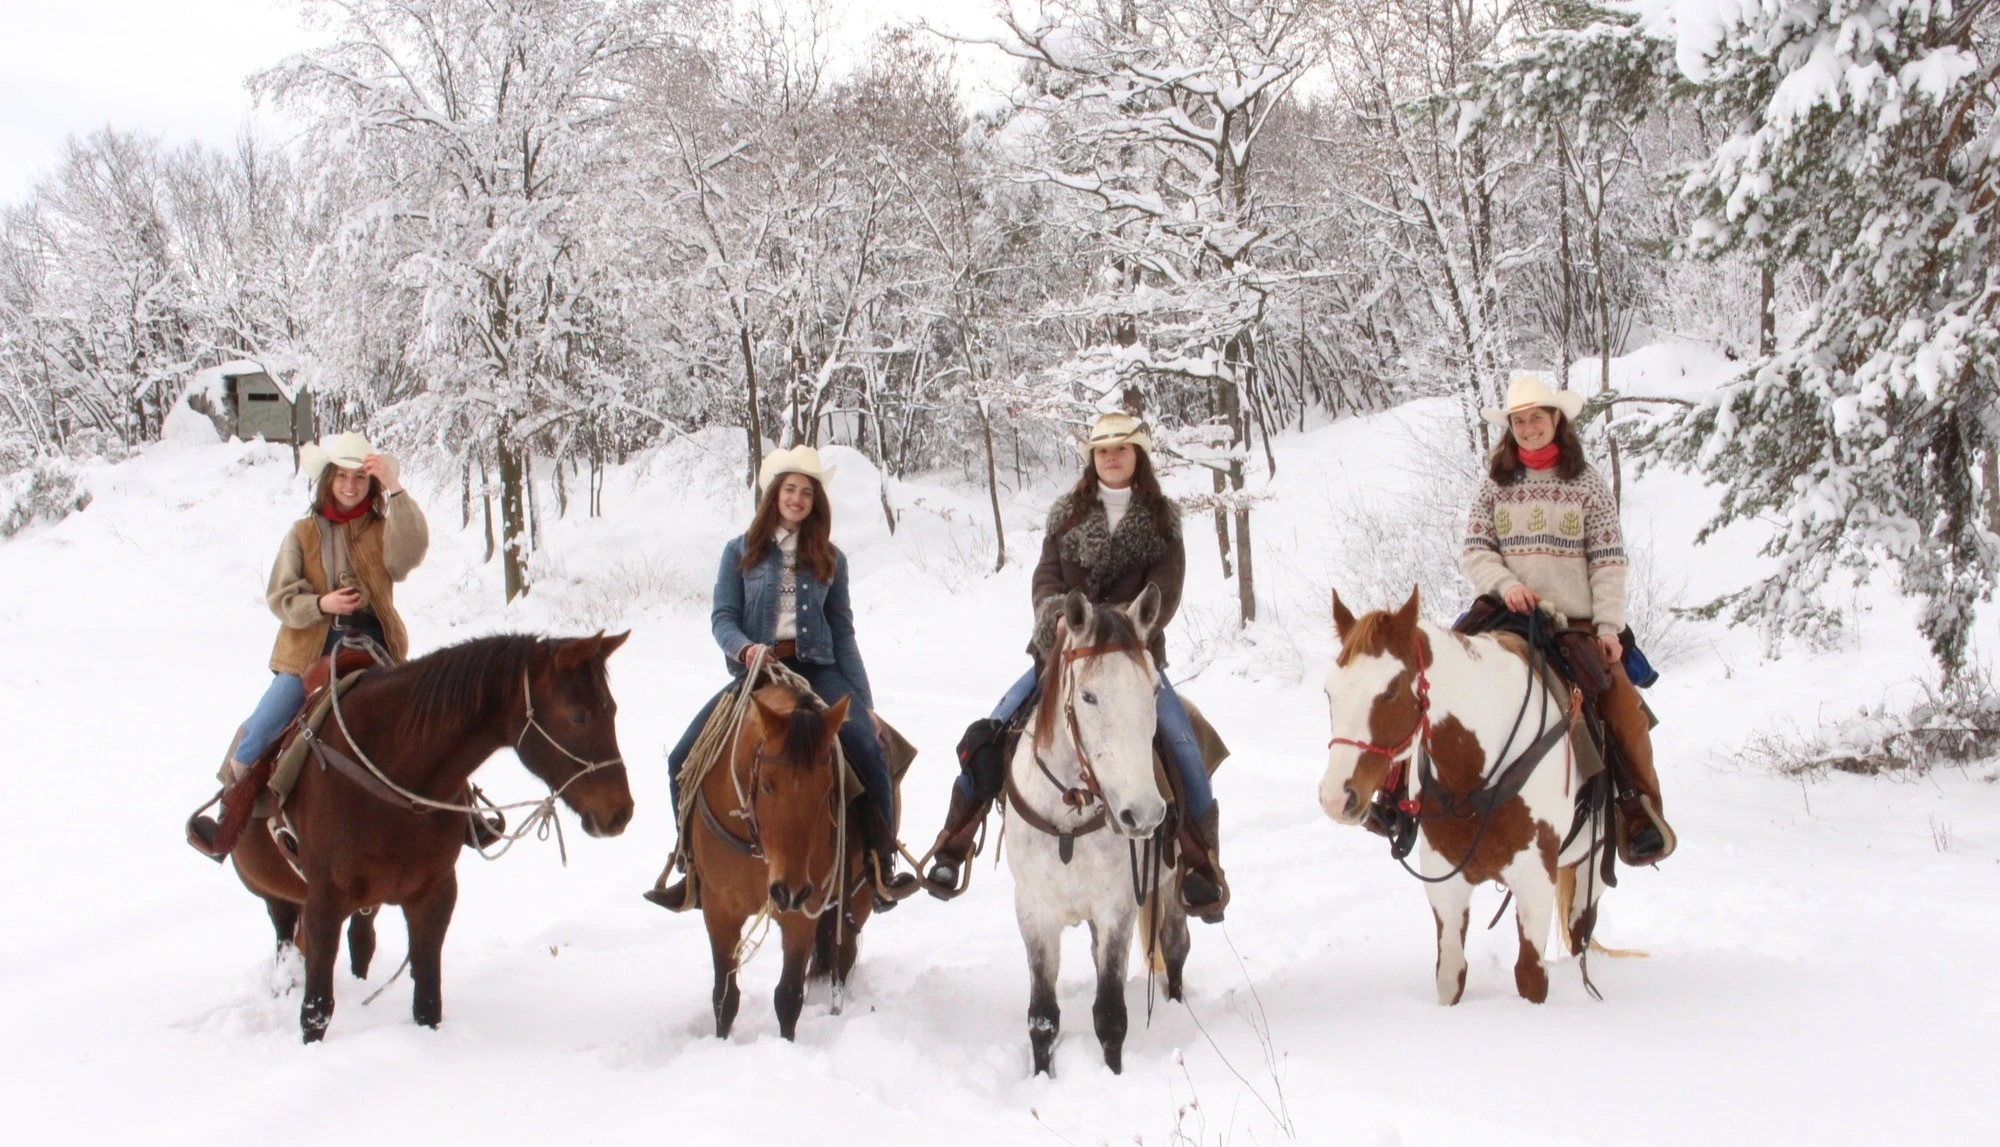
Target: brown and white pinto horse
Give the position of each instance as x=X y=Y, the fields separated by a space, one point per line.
x=1432 y=720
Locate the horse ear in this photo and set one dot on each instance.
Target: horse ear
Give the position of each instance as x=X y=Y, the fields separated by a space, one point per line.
x=577 y=650
x=1407 y=616
x=611 y=643
x=1076 y=611
x=774 y=721
x=1145 y=611
x=1343 y=621
x=836 y=716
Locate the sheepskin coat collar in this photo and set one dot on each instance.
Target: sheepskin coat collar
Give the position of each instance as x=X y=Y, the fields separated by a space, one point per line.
x=1110 y=567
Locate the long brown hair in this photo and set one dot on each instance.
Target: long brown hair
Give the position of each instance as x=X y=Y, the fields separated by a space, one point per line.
x=323 y=493
x=815 y=533
x=1506 y=467
x=1146 y=494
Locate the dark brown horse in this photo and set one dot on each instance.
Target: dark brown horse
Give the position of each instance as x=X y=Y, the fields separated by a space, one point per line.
x=426 y=725
x=767 y=829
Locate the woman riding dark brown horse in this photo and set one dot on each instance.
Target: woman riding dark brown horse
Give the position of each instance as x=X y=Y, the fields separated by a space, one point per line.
x=375 y=810
x=768 y=830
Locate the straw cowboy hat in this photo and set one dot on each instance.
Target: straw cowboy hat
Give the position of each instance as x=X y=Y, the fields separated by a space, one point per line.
x=1529 y=389
x=346 y=450
x=797 y=460
x=1117 y=429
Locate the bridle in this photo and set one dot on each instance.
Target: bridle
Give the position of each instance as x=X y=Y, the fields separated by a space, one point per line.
x=585 y=767
x=1418 y=738
x=1077 y=798
x=745 y=785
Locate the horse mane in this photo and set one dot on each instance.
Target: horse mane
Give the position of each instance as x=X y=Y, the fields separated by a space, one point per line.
x=460 y=679
x=1109 y=625
x=807 y=738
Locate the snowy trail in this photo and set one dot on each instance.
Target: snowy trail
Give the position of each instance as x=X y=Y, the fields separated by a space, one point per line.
x=1819 y=970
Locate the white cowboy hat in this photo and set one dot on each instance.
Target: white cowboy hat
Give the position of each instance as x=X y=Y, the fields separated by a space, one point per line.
x=1117 y=429
x=797 y=460
x=346 y=450
x=1529 y=389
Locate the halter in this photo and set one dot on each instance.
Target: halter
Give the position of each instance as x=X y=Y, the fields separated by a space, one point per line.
x=1418 y=737
x=1075 y=797
x=745 y=788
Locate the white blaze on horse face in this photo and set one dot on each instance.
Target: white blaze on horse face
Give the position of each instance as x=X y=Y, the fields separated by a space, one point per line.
x=1351 y=691
x=1113 y=695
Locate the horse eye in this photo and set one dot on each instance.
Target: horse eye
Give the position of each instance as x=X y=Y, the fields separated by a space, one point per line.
x=579 y=716
x=765 y=788
x=1089 y=698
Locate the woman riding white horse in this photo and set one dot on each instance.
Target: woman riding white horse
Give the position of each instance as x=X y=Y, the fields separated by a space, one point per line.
x=1110 y=538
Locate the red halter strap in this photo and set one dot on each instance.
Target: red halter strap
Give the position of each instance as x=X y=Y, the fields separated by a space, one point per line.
x=1419 y=734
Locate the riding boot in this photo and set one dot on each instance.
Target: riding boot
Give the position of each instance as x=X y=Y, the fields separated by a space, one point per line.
x=891 y=887
x=215 y=836
x=679 y=896
x=956 y=844
x=1644 y=837
x=1204 y=888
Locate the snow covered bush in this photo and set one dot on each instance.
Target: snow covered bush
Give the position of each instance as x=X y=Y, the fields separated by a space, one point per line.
x=1954 y=725
x=45 y=491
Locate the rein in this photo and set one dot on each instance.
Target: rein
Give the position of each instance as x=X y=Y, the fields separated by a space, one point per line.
x=377 y=783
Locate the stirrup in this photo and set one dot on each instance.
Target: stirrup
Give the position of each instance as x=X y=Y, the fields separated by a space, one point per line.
x=677 y=897
x=890 y=891
x=1209 y=912
x=951 y=889
x=201 y=833
x=1668 y=841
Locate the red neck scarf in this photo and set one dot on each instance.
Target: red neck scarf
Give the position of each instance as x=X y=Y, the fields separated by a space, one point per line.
x=1540 y=459
x=340 y=517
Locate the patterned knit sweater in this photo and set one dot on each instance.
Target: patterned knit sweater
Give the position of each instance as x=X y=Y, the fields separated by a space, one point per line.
x=1560 y=539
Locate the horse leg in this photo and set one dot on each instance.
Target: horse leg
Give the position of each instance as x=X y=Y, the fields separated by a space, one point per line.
x=427 y=917
x=323 y=916
x=1534 y=909
x=1174 y=938
x=284 y=919
x=361 y=942
x=1111 y=946
x=1451 y=907
x=790 y=996
x=724 y=929
x=1043 y=939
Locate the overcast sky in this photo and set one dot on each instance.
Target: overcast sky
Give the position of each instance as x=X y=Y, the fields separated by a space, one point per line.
x=176 y=67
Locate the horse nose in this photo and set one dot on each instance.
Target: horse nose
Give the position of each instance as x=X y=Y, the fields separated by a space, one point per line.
x=780 y=895
x=618 y=821
x=1353 y=805
x=1131 y=822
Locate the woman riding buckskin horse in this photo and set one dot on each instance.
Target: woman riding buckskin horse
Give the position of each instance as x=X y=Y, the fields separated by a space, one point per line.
x=1544 y=528
x=782 y=590
x=335 y=576
x=1109 y=537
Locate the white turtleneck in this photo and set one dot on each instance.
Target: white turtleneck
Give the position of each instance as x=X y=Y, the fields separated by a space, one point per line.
x=1116 y=502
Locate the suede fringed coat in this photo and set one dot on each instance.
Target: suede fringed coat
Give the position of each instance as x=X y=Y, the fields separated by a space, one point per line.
x=1109 y=567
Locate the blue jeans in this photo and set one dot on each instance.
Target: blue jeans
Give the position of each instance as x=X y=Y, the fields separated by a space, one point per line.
x=274 y=711
x=857 y=736
x=1175 y=730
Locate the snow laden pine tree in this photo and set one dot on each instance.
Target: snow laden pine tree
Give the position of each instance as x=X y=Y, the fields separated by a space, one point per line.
x=1865 y=147
x=471 y=140
x=1151 y=114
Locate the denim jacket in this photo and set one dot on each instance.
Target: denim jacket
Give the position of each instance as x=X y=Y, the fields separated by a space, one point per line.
x=745 y=612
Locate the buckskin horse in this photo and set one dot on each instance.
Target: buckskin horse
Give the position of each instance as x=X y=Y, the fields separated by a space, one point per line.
x=1086 y=766
x=769 y=836
x=381 y=825
x=1463 y=743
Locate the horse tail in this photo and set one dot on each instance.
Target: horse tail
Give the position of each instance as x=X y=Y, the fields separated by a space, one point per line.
x=1152 y=926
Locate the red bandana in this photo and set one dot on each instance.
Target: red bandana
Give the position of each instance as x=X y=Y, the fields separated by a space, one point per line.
x=340 y=517
x=1540 y=459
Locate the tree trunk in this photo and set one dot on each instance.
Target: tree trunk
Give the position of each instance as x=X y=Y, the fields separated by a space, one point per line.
x=992 y=486
x=486 y=508
x=513 y=516
x=754 y=430
x=1246 y=580
x=1222 y=525
x=1767 y=313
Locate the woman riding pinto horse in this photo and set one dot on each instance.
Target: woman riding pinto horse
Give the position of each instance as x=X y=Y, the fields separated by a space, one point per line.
x=782 y=591
x=336 y=575
x=1544 y=528
x=1109 y=538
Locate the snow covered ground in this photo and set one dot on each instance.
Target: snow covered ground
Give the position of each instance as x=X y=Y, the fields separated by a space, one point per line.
x=1820 y=955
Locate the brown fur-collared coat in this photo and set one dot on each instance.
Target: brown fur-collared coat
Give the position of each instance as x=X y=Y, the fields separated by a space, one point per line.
x=1109 y=567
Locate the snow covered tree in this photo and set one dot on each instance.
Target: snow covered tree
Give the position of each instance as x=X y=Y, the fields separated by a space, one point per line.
x=472 y=135
x=1865 y=144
